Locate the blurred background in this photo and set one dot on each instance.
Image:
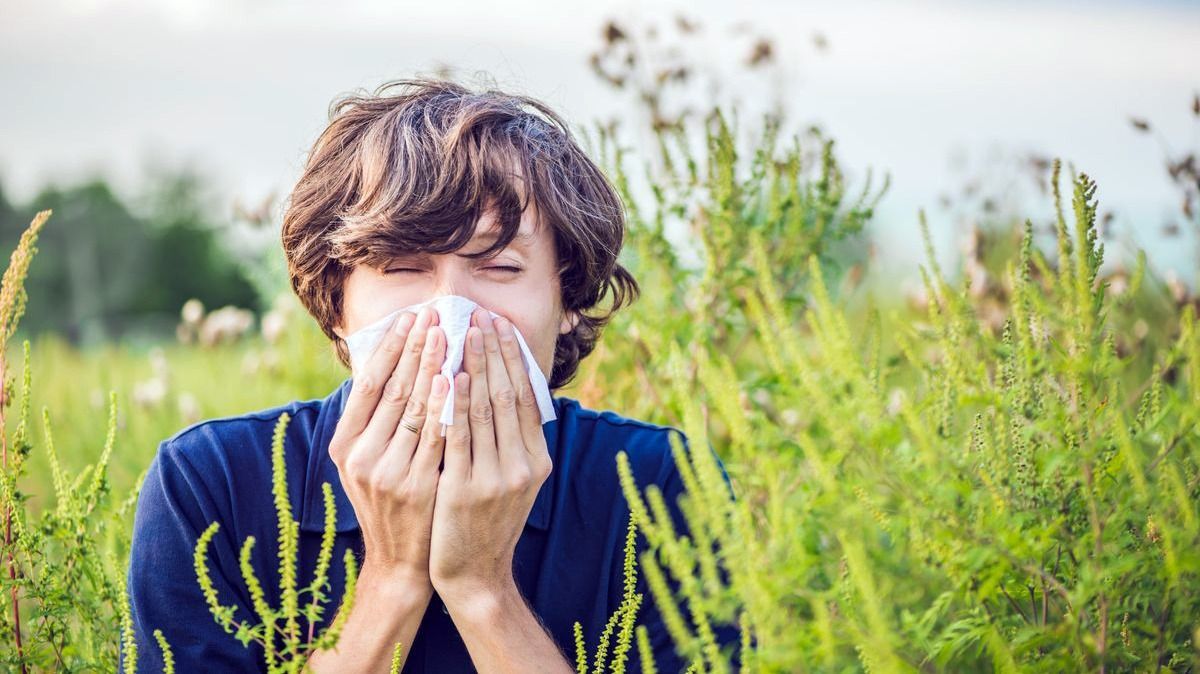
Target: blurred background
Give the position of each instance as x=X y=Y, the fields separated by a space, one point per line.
x=165 y=135
x=910 y=458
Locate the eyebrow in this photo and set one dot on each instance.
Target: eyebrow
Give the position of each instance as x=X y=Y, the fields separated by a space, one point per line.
x=521 y=239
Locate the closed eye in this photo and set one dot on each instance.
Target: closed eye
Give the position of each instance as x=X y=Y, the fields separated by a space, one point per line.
x=510 y=270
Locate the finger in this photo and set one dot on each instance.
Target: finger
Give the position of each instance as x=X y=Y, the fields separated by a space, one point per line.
x=503 y=396
x=429 y=452
x=528 y=415
x=483 y=435
x=458 y=436
x=417 y=410
x=368 y=384
x=399 y=388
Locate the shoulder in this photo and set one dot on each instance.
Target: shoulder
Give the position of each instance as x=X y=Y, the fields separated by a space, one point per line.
x=239 y=438
x=236 y=426
x=223 y=465
x=592 y=440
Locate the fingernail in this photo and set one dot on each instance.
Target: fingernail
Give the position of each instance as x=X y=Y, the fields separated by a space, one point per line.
x=503 y=325
x=403 y=322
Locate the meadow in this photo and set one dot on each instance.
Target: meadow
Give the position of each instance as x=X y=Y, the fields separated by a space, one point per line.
x=1000 y=474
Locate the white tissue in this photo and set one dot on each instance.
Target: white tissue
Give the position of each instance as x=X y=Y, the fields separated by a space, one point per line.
x=454 y=317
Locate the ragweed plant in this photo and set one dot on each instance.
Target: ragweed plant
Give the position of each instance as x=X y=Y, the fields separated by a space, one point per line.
x=691 y=240
x=278 y=632
x=623 y=620
x=1029 y=503
x=62 y=581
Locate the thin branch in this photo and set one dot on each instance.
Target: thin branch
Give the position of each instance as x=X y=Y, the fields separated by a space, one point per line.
x=1013 y=604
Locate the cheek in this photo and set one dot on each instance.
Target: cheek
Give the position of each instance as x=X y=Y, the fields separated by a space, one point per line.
x=356 y=307
x=539 y=329
x=367 y=296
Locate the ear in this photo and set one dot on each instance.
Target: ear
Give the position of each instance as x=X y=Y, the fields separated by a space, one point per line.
x=569 y=320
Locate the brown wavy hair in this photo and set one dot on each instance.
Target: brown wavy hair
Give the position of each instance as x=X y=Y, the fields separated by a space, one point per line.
x=411 y=168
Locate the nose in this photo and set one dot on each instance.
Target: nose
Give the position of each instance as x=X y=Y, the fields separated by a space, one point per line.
x=452 y=280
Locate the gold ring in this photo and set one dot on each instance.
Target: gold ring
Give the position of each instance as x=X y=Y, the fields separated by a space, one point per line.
x=405 y=423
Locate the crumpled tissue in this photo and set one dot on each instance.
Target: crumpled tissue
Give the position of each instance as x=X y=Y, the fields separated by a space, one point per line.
x=454 y=317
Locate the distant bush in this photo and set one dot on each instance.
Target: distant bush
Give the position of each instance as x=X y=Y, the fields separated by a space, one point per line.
x=112 y=269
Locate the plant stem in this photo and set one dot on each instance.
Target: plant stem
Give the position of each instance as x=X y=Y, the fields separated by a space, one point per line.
x=12 y=565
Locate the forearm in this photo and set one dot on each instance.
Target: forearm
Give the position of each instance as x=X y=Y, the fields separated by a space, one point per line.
x=386 y=610
x=503 y=635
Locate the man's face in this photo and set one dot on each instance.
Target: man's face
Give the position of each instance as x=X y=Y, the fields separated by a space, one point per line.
x=529 y=297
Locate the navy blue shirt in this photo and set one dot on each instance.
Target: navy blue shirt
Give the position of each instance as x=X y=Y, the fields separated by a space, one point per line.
x=568 y=562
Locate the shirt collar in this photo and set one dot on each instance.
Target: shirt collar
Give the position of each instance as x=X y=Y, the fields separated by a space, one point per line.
x=322 y=469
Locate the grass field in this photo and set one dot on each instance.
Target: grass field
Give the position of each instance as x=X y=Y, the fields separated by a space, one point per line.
x=1002 y=477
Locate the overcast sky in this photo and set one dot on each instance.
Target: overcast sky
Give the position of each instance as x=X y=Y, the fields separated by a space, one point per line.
x=241 y=89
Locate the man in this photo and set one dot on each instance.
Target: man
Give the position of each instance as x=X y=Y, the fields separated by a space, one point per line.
x=479 y=549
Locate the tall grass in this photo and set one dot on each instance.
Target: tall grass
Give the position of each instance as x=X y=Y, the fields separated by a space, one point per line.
x=64 y=565
x=1004 y=478
x=1027 y=503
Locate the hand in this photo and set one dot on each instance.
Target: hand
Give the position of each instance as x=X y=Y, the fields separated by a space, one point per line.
x=389 y=472
x=494 y=466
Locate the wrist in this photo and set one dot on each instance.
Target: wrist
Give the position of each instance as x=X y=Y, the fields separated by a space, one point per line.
x=393 y=584
x=480 y=602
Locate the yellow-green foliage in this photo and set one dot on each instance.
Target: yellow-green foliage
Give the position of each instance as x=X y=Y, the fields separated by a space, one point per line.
x=396 y=653
x=63 y=565
x=168 y=657
x=999 y=478
x=623 y=619
x=295 y=649
x=1021 y=504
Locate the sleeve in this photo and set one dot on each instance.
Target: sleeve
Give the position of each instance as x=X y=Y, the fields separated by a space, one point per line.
x=666 y=660
x=173 y=509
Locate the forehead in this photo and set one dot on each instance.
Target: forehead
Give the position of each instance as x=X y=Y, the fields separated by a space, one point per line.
x=528 y=231
x=526 y=237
